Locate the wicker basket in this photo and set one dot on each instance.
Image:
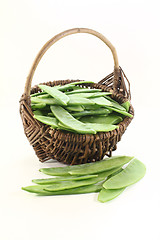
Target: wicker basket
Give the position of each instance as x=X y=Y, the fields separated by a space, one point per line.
x=67 y=147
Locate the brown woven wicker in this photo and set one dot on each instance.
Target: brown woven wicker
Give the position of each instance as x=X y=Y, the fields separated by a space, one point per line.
x=67 y=147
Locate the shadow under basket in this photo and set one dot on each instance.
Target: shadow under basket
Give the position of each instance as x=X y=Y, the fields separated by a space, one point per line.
x=67 y=147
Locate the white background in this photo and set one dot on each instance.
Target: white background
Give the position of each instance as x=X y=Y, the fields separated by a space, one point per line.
x=134 y=29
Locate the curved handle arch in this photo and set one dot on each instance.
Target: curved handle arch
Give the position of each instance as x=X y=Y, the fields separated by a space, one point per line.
x=58 y=37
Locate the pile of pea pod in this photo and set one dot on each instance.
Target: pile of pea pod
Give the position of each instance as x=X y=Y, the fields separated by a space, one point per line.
x=78 y=109
x=109 y=177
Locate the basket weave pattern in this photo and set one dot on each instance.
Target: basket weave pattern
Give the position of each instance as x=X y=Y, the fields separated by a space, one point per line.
x=67 y=147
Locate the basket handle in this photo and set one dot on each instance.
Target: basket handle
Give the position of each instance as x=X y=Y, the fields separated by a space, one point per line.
x=58 y=37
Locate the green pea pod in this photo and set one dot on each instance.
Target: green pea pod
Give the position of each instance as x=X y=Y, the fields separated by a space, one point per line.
x=66 y=128
x=81 y=82
x=77 y=108
x=38 y=106
x=47 y=120
x=38 y=112
x=83 y=90
x=47 y=101
x=130 y=175
x=37 y=94
x=119 y=111
x=69 y=121
x=55 y=93
x=101 y=127
x=126 y=105
x=89 y=94
x=72 y=101
x=115 y=104
x=109 y=119
x=101 y=101
x=104 y=165
x=72 y=85
x=60 y=179
x=93 y=168
x=39 y=189
x=46 y=95
x=79 y=101
x=74 y=184
x=106 y=195
x=100 y=111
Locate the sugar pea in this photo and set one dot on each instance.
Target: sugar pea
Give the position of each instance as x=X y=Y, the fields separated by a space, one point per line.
x=99 y=111
x=101 y=101
x=115 y=104
x=46 y=95
x=60 y=179
x=39 y=189
x=38 y=112
x=119 y=111
x=69 y=121
x=109 y=194
x=79 y=101
x=61 y=126
x=38 y=106
x=47 y=120
x=72 y=85
x=109 y=119
x=101 y=127
x=126 y=105
x=74 y=184
x=89 y=94
x=95 y=167
x=55 y=93
x=130 y=175
x=72 y=101
x=76 y=108
x=37 y=94
x=104 y=165
x=83 y=90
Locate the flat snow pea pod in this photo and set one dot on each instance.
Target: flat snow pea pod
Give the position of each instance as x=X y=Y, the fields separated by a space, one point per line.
x=38 y=106
x=46 y=95
x=101 y=101
x=38 y=112
x=55 y=93
x=66 y=128
x=83 y=90
x=96 y=167
x=39 y=189
x=58 y=171
x=102 y=127
x=72 y=85
x=119 y=111
x=126 y=105
x=115 y=104
x=47 y=120
x=60 y=179
x=48 y=101
x=109 y=119
x=76 y=108
x=79 y=101
x=101 y=166
x=100 y=111
x=68 y=120
x=81 y=82
x=73 y=184
x=131 y=174
x=106 y=195
x=89 y=94
x=72 y=101
x=37 y=94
